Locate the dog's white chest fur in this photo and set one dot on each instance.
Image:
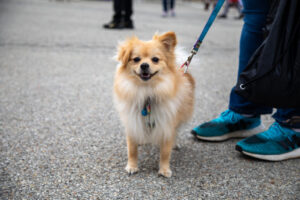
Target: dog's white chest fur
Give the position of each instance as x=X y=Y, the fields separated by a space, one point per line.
x=153 y=127
x=163 y=112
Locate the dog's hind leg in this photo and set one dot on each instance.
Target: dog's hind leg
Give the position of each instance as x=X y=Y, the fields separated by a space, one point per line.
x=177 y=145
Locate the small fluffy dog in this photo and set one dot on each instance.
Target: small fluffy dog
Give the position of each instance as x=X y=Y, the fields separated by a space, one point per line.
x=152 y=96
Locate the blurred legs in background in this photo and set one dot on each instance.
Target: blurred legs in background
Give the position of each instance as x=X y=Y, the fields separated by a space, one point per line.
x=122 y=15
x=208 y=2
x=168 y=5
x=232 y=3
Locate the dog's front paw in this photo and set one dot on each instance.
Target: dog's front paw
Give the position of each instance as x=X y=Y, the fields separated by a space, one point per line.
x=131 y=170
x=166 y=172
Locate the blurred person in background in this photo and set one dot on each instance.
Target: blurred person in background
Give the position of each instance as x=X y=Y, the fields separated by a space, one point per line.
x=168 y=5
x=232 y=3
x=122 y=15
x=208 y=2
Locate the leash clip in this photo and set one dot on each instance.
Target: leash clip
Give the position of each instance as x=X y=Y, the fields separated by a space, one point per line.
x=208 y=24
x=188 y=61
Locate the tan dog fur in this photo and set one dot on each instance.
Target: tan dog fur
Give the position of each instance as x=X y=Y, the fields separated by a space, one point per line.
x=170 y=90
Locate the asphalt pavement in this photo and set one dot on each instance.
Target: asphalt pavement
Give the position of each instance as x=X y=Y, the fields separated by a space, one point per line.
x=60 y=135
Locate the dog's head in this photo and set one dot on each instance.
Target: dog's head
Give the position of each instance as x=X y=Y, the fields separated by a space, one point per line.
x=147 y=61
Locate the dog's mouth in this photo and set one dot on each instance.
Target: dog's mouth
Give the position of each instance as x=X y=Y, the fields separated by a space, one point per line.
x=145 y=76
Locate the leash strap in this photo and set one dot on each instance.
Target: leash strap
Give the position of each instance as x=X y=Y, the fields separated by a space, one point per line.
x=207 y=26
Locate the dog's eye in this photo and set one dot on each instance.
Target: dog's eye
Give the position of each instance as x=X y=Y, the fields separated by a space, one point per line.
x=136 y=59
x=155 y=59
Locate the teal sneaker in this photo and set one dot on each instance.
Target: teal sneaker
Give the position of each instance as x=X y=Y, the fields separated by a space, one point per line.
x=228 y=125
x=275 y=144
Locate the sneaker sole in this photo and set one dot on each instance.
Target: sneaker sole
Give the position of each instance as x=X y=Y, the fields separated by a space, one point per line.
x=293 y=154
x=236 y=134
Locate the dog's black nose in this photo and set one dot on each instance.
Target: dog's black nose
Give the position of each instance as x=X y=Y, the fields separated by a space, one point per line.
x=144 y=66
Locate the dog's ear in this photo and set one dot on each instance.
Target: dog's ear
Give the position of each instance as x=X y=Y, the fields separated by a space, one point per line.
x=124 y=50
x=168 y=39
x=124 y=53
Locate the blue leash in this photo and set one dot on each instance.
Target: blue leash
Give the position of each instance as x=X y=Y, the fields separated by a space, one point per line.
x=207 y=26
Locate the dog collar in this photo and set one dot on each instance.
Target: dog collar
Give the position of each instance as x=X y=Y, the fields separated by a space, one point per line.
x=147 y=108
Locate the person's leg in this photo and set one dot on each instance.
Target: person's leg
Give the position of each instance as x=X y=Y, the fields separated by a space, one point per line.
x=122 y=17
x=206 y=4
x=243 y=118
x=239 y=7
x=117 y=5
x=165 y=8
x=117 y=17
x=282 y=140
x=127 y=7
x=225 y=10
x=172 y=4
x=172 y=7
x=289 y=118
x=255 y=12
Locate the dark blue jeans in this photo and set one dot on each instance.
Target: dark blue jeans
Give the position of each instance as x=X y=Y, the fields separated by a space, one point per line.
x=255 y=12
x=165 y=4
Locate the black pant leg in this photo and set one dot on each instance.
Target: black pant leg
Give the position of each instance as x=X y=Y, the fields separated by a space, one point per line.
x=127 y=9
x=118 y=7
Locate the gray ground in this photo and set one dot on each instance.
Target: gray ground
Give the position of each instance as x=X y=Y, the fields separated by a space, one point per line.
x=60 y=134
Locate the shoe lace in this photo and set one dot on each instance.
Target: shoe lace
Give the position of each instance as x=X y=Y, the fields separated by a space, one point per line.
x=277 y=131
x=229 y=115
